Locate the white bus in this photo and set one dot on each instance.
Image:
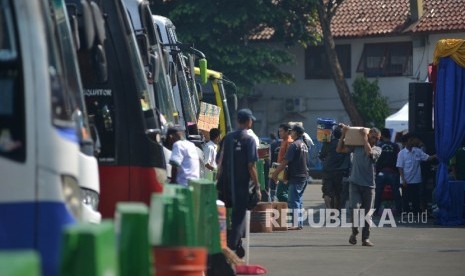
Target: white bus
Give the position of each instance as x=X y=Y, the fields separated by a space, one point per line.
x=39 y=146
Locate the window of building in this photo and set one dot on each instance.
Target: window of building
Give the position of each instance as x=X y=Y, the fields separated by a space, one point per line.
x=317 y=65
x=386 y=60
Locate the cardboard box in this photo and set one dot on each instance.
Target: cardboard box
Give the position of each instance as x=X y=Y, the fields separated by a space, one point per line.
x=353 y=137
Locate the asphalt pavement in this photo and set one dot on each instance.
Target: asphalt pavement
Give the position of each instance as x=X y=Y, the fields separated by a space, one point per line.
x=413 y=246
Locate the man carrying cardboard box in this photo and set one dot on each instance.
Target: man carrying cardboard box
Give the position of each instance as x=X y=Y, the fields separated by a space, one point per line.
x=362 y=177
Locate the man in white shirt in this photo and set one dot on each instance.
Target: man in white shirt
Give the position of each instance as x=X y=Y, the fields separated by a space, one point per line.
x=184 y=160
x=210 y=149
x=408 y=163
x=254 y=136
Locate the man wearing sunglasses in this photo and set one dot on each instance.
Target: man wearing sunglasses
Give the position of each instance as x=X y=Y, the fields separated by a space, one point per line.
x=362 y=178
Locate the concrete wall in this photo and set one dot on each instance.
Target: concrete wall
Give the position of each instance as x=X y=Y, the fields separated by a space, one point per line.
x=320 y=97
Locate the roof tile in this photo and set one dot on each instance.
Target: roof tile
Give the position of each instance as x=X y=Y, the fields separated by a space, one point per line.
x=369 y=18
x=362 y=18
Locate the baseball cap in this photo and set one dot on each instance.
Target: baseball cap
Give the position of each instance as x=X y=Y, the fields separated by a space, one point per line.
x=245 y=114
x=298 y=128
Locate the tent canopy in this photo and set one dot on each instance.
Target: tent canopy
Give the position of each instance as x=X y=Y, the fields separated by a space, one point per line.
x=398 y=121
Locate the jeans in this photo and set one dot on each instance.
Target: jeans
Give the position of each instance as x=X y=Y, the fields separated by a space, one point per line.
x=282 y=192
x=294 y=201
x=361 y=197
x=393 y=179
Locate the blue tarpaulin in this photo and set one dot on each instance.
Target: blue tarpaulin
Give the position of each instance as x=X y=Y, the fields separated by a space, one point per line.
x=449 y=121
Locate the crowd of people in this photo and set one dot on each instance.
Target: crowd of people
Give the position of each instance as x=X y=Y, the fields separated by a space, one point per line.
x=354 y=174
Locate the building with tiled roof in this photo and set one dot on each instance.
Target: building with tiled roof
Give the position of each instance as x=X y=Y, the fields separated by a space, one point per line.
x=391 y=41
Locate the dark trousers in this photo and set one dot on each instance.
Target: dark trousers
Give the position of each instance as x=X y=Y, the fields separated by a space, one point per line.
x=344 y=192
x=411 y=194
x=238 y=221
x=361 y=197
x=390 y=178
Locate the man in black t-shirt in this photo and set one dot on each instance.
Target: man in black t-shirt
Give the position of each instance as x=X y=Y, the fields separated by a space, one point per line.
x=237 y=174
x=296 y=160
x=335 y=167
x=386 y=171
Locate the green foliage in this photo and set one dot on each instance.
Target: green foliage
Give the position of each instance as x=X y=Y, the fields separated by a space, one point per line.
x=371 y=105
x=221 y=29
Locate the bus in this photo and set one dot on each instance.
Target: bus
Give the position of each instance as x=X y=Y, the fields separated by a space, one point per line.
x=39 y=146
x=88 y=167
x=131 y=161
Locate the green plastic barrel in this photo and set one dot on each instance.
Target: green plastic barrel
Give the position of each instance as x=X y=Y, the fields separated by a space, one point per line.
x=156 y=219
x=206 y=215
x=19 y=263
x=172 y=214
x=89 y=249
x=134 y=252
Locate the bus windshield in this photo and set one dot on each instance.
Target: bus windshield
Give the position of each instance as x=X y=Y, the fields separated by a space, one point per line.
x=12 y=107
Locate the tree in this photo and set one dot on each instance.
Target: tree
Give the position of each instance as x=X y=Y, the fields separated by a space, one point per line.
x=222 y=30
x=326 y=11
x=369 y=102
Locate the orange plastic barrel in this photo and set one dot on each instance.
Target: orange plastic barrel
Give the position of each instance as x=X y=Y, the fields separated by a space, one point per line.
x=180 y=261
x=222 y=221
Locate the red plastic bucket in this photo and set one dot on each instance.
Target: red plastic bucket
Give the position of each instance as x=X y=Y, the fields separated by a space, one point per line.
x=179 y=261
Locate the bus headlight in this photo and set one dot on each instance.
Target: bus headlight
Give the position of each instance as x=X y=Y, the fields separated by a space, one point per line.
x=72 y=195
x=90 y=198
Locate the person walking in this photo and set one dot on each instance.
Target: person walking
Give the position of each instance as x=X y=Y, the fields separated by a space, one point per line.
x=210 y=149
x=386 y=171
x=237 y=176
x=284 y=132
x=295 y=159
x=362 y=178
x=274 y=149
x=335 y=167
x=184 y=160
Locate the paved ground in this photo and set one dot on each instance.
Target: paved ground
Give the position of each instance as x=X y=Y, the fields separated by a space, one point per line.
x=408 y=249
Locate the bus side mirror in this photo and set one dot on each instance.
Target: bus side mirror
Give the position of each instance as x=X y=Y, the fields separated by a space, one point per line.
x=235 y=101
x=203 y=70
x=199 y=90
x=85 y=23
x=99 y=23
x=100 y=62
x=73 y=22
x=155 y=60
x=172 y=73
x=143 y=43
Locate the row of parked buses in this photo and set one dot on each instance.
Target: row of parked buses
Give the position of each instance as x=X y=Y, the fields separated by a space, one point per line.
x=87 y=92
